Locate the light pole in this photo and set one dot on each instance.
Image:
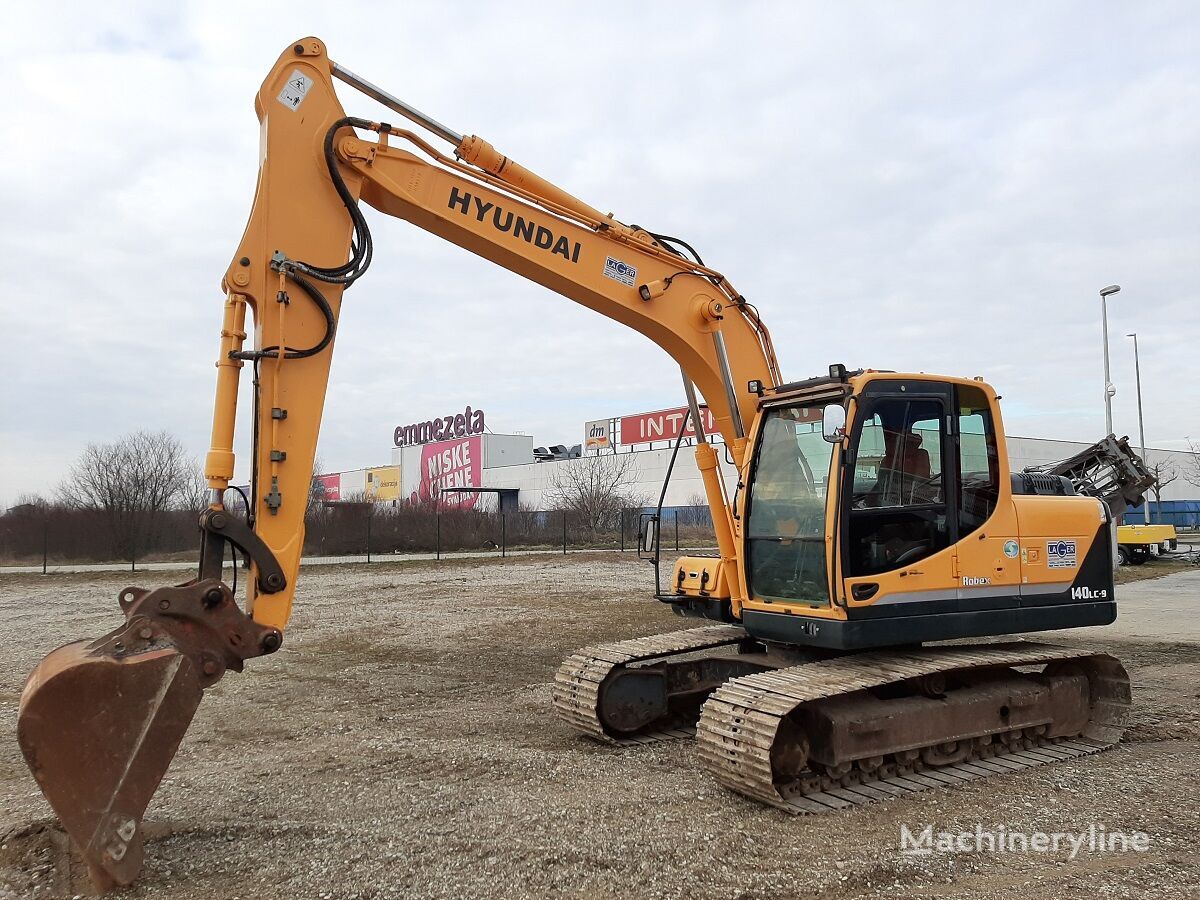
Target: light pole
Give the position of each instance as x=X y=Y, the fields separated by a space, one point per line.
x=1137 y=368
x=1109 y=389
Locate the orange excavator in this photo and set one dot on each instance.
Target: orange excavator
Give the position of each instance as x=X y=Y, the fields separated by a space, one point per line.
x=875 y=515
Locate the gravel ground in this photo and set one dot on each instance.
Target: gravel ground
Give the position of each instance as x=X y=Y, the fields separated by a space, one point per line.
x=401 y=744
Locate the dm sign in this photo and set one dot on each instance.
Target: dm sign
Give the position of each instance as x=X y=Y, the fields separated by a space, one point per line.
x=596 y=435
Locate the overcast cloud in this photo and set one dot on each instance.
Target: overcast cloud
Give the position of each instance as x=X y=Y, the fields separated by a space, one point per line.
x=936 y=187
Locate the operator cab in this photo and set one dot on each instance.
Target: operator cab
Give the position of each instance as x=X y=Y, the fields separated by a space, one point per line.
x=886 y=517
x=918 y=469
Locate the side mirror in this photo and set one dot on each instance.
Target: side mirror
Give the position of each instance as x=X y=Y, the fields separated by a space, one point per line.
x=648 y=536
x=833 y=423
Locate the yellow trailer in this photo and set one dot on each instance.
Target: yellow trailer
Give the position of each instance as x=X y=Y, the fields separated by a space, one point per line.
x=1137 y=543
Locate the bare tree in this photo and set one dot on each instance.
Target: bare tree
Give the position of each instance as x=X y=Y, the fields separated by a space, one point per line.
x=132 y=482
x=30 y=503
x=1164 y=473
x=695 y=512
x=595 y=488
x=1192 y=473
x=194 y=496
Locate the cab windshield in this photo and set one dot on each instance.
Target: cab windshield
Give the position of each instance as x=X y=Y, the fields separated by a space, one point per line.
x=785 y=529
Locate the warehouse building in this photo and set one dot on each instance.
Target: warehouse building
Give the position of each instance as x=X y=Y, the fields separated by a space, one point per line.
x=470 y=467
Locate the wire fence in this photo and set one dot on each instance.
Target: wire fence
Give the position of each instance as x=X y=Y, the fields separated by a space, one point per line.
x=366 y=529
x=57 y=536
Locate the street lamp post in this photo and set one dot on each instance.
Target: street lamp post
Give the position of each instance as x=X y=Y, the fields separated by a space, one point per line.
x=1137 y=369
x=1109 y=389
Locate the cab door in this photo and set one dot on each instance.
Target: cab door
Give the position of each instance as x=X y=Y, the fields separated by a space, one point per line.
x=988 y=545
x=899 y=501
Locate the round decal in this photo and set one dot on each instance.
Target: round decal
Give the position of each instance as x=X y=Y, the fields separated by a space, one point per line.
x=1011 y=549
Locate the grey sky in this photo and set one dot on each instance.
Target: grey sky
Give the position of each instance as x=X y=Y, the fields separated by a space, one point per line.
x=937 y=187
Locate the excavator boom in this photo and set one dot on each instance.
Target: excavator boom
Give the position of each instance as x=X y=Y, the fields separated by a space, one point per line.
x=101 y=721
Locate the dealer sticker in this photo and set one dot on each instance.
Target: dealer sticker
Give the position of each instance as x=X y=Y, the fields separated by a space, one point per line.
x=619 y=271
x=1060 y=554
x=294 y=91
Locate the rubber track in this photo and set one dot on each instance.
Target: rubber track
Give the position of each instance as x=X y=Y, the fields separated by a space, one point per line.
x=576 y=690
x=739 y=721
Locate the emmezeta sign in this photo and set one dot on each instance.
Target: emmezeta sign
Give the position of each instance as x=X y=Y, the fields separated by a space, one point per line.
x=463 y=424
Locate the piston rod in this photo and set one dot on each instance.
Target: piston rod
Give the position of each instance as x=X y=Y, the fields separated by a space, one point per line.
x=396 y=104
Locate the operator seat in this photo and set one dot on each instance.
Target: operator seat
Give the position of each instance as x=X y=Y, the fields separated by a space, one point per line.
x=913 y=459
x=904 y=466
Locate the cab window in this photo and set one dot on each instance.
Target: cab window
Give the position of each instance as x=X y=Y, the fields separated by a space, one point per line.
x=898 y=512
x=785 y=531
x=978 y=460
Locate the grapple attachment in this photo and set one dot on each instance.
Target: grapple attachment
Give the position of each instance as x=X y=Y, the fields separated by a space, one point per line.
x=100 y=722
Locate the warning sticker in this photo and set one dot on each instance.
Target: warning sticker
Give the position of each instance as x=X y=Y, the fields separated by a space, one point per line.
x=293 y=92
x=1060 y=554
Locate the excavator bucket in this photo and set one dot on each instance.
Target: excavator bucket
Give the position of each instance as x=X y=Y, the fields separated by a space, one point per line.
x=100 y=721
x=99 y=731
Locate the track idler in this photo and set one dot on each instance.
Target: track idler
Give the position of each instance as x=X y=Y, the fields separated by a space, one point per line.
x=100 y=722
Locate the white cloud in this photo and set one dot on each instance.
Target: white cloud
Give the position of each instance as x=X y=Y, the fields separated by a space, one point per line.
x=926 y=187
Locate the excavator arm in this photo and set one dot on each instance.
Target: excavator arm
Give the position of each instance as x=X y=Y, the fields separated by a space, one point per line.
x=98 y=758
x=316 y=164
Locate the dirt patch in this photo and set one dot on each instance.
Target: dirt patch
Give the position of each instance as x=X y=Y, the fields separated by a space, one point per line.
x=35 y=861
x=401 y=745
x=1156 y=567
